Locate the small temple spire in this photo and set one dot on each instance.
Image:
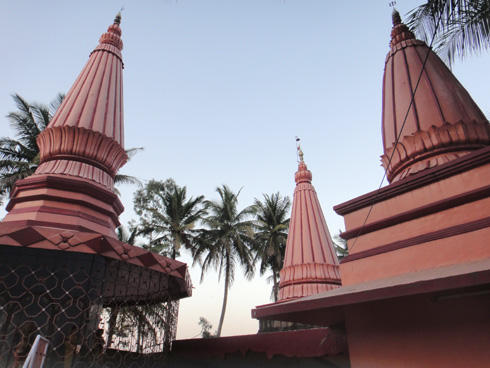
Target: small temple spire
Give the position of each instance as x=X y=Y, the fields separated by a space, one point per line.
x=443 y=122
x=310 y=263
x=81 y=150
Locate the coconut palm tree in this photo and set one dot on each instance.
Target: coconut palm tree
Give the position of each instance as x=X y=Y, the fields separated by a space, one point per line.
x=226 y=241
x=271 y=230
x=167 y=217
x=464 y=26
x=19 y=157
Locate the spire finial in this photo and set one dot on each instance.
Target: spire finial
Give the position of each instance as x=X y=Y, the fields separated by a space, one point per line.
x=298 y=148
x=395 y=16
x=117 y=19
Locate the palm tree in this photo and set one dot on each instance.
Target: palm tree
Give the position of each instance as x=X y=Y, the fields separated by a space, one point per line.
x=464 y=26
x=271 y=227
x=167 y=217
x=226 y=241
x=19 y=158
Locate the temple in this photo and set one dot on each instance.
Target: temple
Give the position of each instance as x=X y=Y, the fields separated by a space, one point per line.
x=414 y=290
x=416 y=284
x=64 y=274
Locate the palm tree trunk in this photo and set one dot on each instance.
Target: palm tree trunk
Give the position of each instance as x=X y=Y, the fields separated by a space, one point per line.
x=223 y=308
x=276 y=285
x=112 y=325
x=139 y=337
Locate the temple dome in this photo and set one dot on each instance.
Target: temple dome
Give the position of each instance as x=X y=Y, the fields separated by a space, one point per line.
x=443 y=122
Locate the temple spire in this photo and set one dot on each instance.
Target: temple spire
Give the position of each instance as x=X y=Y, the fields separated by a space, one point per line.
x=310 y=262
x=443 y=122
x=81 y=150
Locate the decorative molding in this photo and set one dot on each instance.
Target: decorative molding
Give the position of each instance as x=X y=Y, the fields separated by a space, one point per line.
x=425 y=238
x=422 y=211
x=63 y=212
x=436 y=146
x=80 y=144
x=470 y=161
x=66 y=184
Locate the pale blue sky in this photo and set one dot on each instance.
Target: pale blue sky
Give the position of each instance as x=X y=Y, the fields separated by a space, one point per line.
x=217 y=90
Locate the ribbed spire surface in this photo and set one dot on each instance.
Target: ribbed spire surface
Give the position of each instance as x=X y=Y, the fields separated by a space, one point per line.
x=310 y=263
x=95 y=100
x=443 y=122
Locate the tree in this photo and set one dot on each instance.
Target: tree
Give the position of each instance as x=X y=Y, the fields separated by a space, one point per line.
x=205 y=327
x=19 y=158
x=226 y=241
x=167 y=218
x=464 y=26
x=271 y=227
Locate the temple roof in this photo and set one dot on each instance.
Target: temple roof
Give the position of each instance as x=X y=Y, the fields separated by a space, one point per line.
x=310 y=262
x=442 y=124
x=39 y=237
x=327 y=309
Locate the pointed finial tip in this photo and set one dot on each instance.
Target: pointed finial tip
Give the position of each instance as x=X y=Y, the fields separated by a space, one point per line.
x=117 y=20
x=395 y=16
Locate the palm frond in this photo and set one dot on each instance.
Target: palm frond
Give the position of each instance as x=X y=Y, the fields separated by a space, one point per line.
x=459 y=28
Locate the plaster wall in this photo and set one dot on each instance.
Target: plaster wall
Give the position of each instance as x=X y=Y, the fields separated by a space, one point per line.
x=442 y=252
x=421 y=331
x=452 y=186
x=435 y=225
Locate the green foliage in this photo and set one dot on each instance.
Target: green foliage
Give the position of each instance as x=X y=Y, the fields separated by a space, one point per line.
x=464 y=27
x=167 y=218
x=271 y=230
x=205 y=327
x=19 y=157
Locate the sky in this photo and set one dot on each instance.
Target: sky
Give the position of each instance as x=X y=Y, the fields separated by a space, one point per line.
x=216 y=92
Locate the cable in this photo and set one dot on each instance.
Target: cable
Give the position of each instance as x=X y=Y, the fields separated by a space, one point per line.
x=401 y=130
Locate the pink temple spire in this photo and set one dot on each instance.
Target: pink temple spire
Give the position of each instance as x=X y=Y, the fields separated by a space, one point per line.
x=81 y=151
x=95 y=101
x=443 y=122
x=310 y=263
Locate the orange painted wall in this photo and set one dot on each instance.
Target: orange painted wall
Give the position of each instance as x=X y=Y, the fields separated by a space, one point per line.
x=420 y=332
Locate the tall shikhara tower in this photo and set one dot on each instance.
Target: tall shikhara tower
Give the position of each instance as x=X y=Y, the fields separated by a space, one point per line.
x=63 y=273
x=81 y=151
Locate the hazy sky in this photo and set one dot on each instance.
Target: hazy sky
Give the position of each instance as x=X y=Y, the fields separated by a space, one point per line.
x=216 y=91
